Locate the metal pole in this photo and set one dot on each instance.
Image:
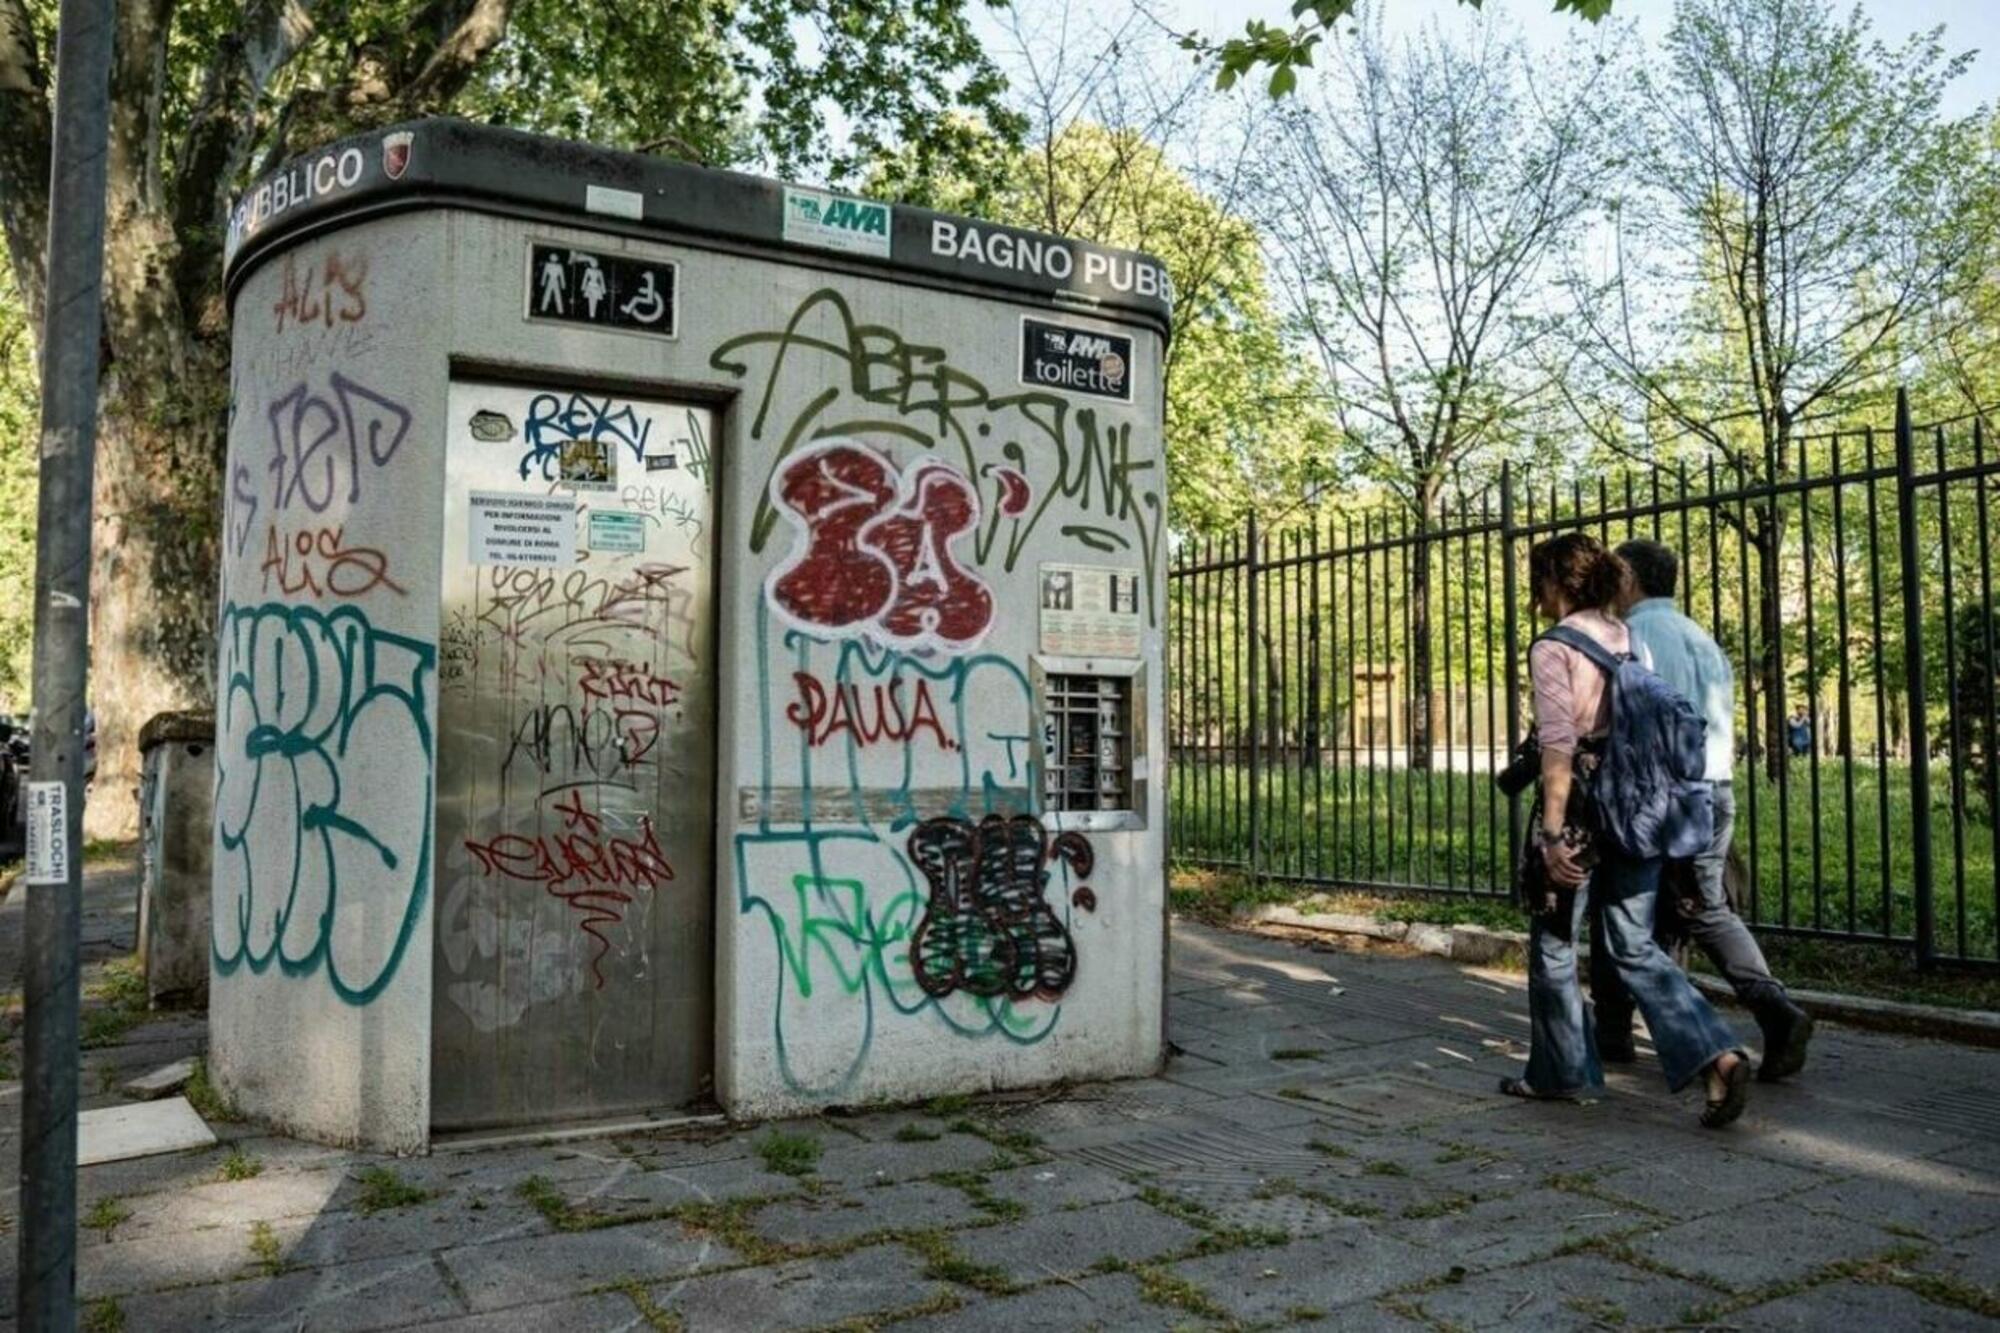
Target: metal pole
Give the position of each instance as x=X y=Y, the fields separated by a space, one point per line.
x=1913 y=680
x=1510 y=599
x=1256 y=674
x=47 y=1291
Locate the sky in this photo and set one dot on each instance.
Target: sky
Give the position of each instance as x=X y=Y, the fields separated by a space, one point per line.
x=1968 y=24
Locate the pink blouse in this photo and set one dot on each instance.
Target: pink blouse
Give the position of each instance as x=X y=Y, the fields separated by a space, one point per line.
x=1571 y=702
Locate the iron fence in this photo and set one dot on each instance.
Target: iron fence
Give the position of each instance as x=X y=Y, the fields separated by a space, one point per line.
x=1342 y=691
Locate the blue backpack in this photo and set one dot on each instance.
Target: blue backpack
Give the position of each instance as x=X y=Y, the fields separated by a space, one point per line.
x=1649 y=791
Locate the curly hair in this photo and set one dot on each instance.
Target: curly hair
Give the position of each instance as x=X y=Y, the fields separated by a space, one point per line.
x=1577 y=565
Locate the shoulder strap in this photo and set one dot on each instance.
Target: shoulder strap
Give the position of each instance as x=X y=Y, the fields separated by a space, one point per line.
x=1604 y=658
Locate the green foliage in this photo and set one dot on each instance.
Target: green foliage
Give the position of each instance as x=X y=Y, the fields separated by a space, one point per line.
x=267 y=1250
x=106 y=1215
x=1285 y=51
x=789 y=1154
x=206 y=1099
x=104 y=1315
x=240 y=1165
x=382 y=1189
x=20 y=416
x=1246 y=425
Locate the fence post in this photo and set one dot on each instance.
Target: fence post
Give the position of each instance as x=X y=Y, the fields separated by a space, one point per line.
x=1254 y=684
x=1913 y=680
x=1510 y=600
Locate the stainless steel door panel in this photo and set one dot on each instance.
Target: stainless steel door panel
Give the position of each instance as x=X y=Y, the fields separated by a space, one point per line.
x=574 y=948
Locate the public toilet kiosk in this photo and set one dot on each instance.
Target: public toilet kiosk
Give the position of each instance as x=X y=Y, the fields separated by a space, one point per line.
x=685 y=640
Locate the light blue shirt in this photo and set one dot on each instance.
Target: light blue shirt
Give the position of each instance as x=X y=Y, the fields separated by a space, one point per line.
x=1689 y=660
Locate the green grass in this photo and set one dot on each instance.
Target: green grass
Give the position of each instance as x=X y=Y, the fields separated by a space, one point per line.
x=789 y=1154
x=206 y=1099
x=383 y=1189
x=1398 y=829
x=114 y=1002
x=104 y=1315
x=106 y=1215
x=267 y=1250
x=240 y=1165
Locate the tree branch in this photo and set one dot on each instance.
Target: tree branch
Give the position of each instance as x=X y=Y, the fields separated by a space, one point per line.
x=451 y=66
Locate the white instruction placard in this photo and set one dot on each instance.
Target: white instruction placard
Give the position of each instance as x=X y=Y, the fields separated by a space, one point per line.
x=509 y=528
x=1090 y=611
x=48 y=833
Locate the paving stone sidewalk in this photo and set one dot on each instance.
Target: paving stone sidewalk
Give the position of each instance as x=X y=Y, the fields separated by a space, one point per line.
x=1324 y=1150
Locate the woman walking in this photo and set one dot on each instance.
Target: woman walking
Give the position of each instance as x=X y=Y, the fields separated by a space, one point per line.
x=1576 y=582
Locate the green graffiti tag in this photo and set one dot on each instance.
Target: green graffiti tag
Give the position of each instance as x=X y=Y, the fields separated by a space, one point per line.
x=318 y=866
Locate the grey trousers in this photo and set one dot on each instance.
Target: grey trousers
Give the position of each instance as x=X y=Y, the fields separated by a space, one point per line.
x=1715 y=929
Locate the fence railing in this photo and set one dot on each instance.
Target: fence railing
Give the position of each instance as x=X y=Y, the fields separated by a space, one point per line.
x=1342 y=691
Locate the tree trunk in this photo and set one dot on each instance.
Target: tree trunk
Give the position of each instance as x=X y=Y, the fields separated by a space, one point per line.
x=153 y=576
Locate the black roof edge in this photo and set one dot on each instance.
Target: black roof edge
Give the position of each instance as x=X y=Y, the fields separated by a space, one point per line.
x=446 y=163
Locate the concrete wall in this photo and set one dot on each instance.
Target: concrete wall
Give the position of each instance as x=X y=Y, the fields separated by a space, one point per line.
x=320 y=994
x=176 y=825
x=841 y=729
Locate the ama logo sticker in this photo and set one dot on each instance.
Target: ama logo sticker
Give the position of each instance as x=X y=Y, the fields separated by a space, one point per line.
x=1061 y=356
x=836 y=222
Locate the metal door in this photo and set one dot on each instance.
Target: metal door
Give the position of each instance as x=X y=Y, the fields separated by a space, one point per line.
x=576 y=744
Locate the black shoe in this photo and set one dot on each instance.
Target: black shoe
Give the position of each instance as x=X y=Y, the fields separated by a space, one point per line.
x=1787 y=1030
x=1617 y=1050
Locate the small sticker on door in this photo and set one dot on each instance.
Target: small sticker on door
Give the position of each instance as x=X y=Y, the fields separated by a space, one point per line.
x=506 y=528
x=623 y=534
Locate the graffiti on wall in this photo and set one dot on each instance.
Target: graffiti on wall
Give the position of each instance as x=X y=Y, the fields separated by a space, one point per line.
x=321 y=440
x=331 y=291
x=593 y=873
x=317 y=561
x=839 y=888
x=825 y=375
x=558 y=423
x=987 y=928
x=316 y=871
x=873 y=550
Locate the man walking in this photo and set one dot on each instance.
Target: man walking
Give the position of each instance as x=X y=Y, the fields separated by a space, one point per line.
x=1683 y=654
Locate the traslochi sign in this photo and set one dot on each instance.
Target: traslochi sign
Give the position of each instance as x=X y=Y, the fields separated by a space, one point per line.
x=1062 y=356
x=836 y=222
x=571 y=286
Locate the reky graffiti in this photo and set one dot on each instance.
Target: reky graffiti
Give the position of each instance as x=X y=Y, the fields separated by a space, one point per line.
x=988 y=929
x=555 y=422
x=873 y=552
x=313 y=849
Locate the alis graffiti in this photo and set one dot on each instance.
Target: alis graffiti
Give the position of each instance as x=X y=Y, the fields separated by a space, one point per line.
x=320 y=863
x=824 y=713
x=988 y=930
x=826 y=375
x=592 y=873
x=333 y=291
x=873 y=552
x=318 y=562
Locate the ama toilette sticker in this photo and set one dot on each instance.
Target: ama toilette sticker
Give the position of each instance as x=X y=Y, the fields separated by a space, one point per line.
x=1076 y=360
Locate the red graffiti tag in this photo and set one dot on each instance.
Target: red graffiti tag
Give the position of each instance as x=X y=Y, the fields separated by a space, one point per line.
x=328 y=293
x=319 y=562
x=822 y=714
x=832 y=491
x=620 y=681
x=590 y=873
x=937 y=599
x=1014 y=492
x=874 y=553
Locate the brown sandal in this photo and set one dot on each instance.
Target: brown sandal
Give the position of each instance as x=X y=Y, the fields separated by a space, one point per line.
x=1520 y=1087
x=1735 y=1095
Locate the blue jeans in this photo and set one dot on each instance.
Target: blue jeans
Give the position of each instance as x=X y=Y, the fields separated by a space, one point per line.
x=1686 y=1031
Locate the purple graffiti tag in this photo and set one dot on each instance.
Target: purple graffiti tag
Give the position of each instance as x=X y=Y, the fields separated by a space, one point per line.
x=313 y=439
